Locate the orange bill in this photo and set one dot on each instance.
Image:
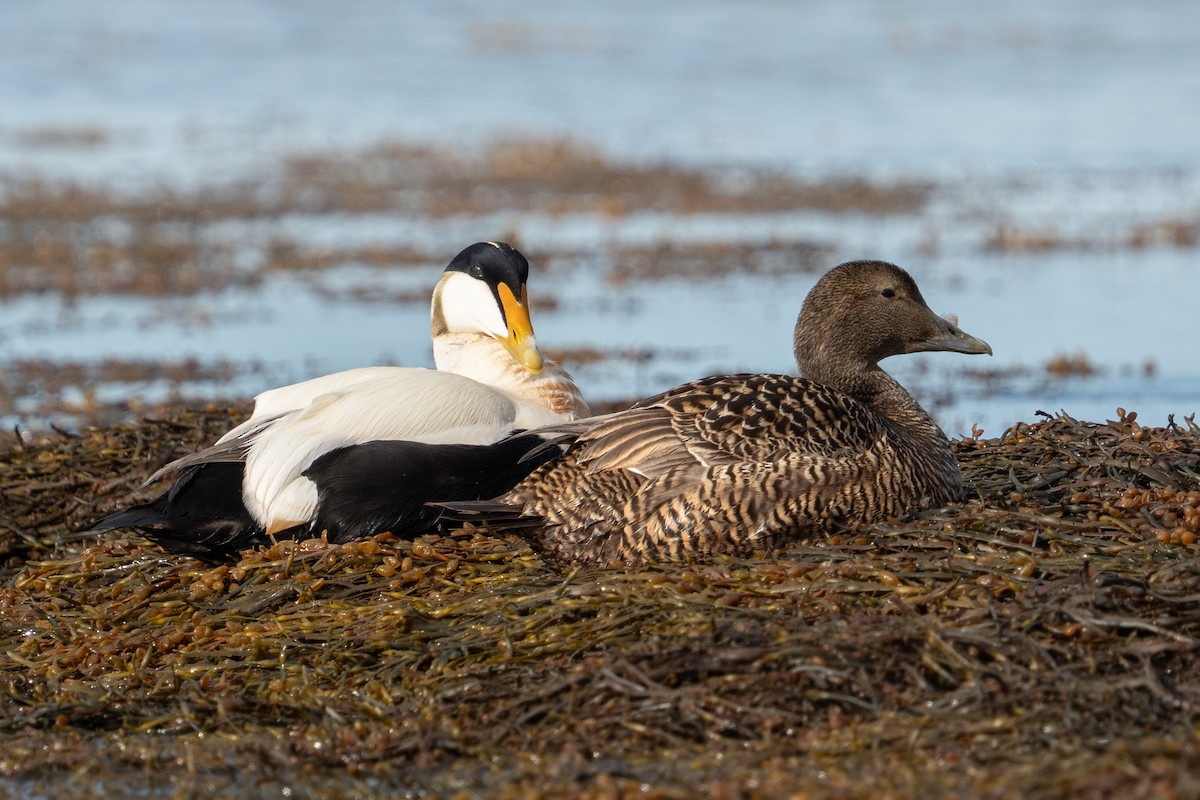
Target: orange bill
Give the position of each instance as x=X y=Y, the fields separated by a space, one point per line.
x=520 y=341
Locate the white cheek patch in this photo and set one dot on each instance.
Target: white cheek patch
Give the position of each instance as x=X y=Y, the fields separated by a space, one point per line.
x=469 y=305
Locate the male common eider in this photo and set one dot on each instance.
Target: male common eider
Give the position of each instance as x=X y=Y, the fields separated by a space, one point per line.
x=735 y=463
x=491 y=381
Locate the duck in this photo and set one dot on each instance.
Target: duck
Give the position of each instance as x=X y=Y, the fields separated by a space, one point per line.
x=735 y=464
x=490 y=381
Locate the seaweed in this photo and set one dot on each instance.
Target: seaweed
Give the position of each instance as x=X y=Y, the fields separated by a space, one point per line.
x=1037 y=639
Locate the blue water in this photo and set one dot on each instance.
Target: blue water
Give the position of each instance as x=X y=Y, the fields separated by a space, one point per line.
x=909 y=86
x=1074 y=116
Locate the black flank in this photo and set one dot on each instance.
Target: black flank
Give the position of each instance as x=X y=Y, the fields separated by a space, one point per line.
x=382 y=486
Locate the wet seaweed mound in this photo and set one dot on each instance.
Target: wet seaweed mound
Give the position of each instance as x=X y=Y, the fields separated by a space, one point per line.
x=1040 y=639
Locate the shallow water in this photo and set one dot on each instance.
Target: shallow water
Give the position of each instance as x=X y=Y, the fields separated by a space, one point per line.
x=657 y=333
x=1068 y=117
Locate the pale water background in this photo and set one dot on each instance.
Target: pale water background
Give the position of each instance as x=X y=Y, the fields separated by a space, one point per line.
x=1077 y=116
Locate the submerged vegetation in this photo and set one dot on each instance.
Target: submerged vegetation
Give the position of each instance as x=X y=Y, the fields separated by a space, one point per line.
x=1039 y=639
x=89 y=240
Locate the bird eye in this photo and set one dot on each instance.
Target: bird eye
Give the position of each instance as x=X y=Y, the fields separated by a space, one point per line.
x=889 y=292
x=476 y=271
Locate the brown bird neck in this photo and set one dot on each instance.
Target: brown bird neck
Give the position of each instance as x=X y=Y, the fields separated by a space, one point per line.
x=878 y=390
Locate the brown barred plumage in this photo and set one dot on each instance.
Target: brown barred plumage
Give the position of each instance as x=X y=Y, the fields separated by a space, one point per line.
x=734 y=463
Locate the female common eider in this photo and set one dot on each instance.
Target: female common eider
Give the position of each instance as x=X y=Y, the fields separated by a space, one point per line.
x=491 y=381
x=735 y=463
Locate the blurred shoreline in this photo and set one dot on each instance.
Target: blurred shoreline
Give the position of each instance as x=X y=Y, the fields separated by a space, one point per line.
x=645 y=275
x=199 y=202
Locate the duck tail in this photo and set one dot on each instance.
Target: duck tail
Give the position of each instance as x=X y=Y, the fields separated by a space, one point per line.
x=201 y=515
x=149 y=515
